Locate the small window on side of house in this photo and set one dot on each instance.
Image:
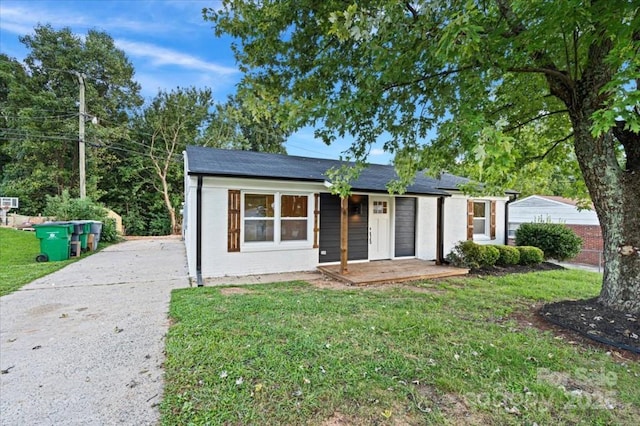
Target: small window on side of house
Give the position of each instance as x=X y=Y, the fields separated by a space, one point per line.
x=480 y=217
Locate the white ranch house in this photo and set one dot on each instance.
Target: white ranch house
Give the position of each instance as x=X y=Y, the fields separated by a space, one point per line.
x=254 y=213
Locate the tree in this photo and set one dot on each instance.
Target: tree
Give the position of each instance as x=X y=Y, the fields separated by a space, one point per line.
x=40 y=126
x=172 y=120
x=233 y=126
x=479 y=72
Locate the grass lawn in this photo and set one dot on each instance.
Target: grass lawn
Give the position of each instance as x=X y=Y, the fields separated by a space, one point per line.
x=18 y=266
x=447 y=352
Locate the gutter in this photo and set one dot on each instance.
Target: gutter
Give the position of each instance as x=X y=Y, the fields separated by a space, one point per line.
x=440 y=231
x=199 y=232
x=512 y=198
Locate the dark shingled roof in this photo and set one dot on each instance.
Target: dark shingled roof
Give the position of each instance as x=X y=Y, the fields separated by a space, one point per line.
x=261 y=165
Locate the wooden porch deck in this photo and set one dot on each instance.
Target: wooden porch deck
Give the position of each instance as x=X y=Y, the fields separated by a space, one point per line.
x=390 y=271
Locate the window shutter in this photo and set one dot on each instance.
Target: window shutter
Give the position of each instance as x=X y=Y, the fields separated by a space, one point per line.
x=469 y=219
x=233 y=227
x=493 y=220
x=316 y=215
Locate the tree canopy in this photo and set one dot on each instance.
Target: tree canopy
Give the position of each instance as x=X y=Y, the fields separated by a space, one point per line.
x=133 y=150
x=40 y=113
x=486 y=86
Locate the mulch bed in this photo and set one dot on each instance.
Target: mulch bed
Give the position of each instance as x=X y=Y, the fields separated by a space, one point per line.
x=587 y=318
x=596 y=321
x=499 y=271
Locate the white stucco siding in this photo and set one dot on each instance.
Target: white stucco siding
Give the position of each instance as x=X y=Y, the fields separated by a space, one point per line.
x=455 y=221
x=426 y=228
x=189 y=224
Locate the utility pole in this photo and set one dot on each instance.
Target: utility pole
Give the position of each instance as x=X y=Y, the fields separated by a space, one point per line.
x=81 y=145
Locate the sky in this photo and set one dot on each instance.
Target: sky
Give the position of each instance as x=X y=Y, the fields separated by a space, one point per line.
x=167 y=41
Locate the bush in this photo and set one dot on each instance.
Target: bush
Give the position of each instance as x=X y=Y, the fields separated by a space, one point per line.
x=489 y=255
x=63 y=208
x=468 y=254
x=556 y=240
x=530 y=255
x=508 y=255
x=109 y=234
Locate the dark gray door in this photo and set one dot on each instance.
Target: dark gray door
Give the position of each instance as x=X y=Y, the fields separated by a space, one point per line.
x=405 y=221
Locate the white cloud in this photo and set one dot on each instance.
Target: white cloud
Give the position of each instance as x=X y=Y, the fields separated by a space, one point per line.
x=377 y=152
x=21 y=20
x=161 y=56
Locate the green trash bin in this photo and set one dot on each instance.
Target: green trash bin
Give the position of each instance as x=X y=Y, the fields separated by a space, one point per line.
x=54 y=241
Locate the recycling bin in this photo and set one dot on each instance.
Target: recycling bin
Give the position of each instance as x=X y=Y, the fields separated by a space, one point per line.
x=82 y=230
x=54 y=241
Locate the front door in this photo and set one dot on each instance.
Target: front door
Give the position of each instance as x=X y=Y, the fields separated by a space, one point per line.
x=379 y=231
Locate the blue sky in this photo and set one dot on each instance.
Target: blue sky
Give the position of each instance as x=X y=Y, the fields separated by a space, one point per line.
x=168 y=42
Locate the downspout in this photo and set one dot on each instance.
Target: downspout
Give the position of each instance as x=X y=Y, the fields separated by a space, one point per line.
x=199 y=232
x=440 y=231
x=506 y=217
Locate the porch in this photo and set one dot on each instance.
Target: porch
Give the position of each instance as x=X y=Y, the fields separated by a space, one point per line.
x=391 y=271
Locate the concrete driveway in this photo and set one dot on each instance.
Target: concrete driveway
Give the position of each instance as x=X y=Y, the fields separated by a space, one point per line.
x=85 y=345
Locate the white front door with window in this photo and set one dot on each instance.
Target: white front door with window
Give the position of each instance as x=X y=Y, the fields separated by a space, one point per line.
x=379 y=228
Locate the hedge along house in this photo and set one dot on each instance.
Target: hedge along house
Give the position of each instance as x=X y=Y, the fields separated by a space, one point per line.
x=253 y=213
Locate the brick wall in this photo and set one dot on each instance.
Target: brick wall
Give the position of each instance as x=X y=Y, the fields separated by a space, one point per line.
x=591 y=243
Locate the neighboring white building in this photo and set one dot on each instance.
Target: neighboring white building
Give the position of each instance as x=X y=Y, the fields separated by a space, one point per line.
x=547 y=208
x=252 y=213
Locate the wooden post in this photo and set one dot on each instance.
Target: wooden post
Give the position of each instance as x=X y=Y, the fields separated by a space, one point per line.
x=344 y=234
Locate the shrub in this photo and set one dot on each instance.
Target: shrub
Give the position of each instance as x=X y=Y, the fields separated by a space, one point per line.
x=109 y=234
x=489 y=255
x=468 y=254
x=530 y=255
x=508 y=255
x=63 y=207
x=556 y=240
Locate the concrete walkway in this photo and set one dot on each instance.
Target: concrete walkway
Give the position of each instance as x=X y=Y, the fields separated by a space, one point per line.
x=84 y=345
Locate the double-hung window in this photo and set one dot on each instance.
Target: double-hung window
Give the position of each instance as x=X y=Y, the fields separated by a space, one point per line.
x=293 y=217
x=480 y=217
x=275 y=218
x=481 y=220
x=259 y=217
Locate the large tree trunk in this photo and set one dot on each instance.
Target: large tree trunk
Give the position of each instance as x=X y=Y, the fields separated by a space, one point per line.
x=613 y=183
x=615 y=192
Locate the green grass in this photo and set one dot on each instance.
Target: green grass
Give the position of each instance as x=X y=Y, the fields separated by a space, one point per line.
x=18 y=251
x=451 y=353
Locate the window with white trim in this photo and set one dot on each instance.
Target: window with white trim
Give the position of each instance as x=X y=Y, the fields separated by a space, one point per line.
x=293 y=217
x=258 y=217
x=480 y=218
x=275 y=218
